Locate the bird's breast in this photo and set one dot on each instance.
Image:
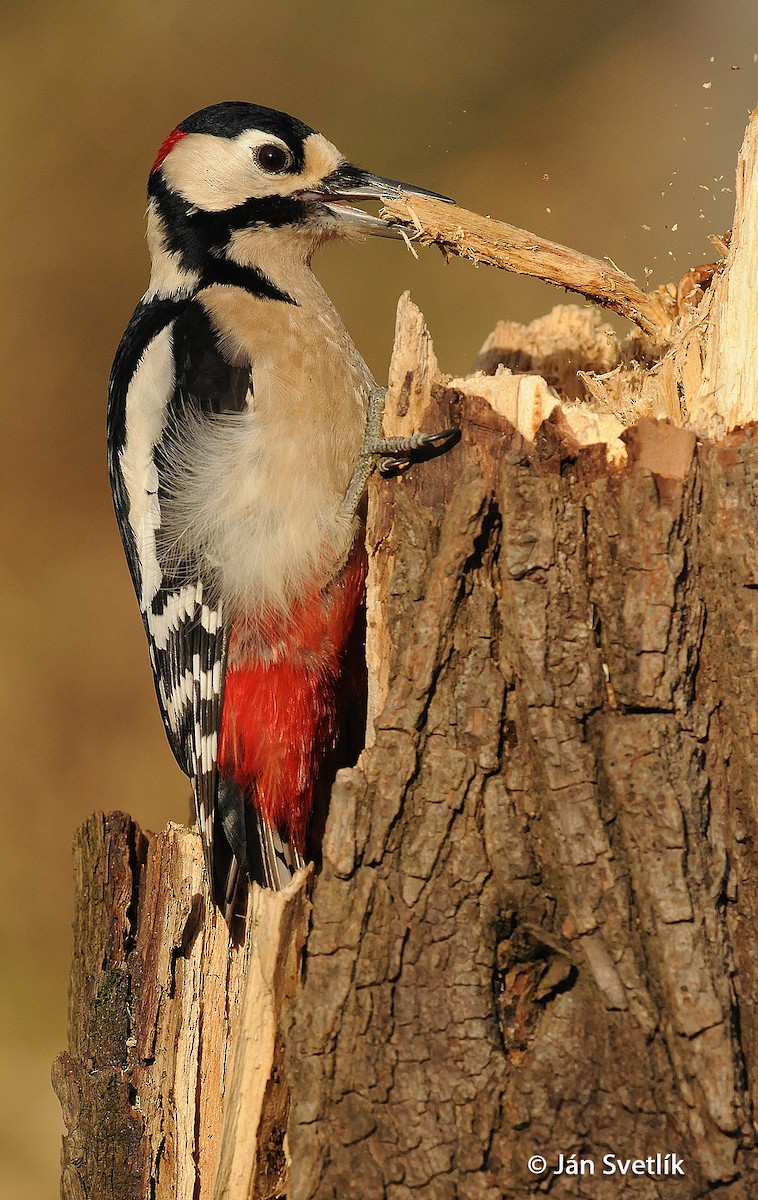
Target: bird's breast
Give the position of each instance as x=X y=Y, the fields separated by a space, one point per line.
x=308 y=377
x=263 y=490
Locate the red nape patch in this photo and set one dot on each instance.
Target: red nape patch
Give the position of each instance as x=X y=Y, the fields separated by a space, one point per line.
x=167 y=147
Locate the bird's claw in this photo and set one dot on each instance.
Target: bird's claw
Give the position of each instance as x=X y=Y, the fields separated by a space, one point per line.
x=395 y=455
x=392 y=455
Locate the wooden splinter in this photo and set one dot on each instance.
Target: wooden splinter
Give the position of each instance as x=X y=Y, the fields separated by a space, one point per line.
x=497 y=244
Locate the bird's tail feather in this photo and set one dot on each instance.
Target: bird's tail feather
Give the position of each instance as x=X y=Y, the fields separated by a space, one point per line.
x=278 y=858
x=250 y=848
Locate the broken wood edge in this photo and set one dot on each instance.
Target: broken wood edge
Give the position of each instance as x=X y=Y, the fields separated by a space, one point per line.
x=705 y=335
x=173 y=1080
x=521 y=402
x=728 y=395
x=253 y=1160
x=526 y=401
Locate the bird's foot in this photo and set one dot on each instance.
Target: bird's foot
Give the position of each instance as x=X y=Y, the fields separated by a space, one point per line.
x=392 y=455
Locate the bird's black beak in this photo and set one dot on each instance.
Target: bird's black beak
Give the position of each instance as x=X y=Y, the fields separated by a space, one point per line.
x=350 y=183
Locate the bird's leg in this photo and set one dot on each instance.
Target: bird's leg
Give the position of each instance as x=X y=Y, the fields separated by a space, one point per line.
x=390 y=455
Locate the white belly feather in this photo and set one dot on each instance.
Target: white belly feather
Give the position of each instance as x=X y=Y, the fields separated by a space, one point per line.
x=258 y=495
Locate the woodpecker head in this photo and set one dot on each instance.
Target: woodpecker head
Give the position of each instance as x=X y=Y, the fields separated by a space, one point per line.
x=240 y=182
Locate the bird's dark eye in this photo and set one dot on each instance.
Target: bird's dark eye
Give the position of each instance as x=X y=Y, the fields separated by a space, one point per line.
x=273 y=158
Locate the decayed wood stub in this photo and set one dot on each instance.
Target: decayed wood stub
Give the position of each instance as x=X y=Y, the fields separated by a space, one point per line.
x=171 y=1088
x=104 y=1139
x=528 y=934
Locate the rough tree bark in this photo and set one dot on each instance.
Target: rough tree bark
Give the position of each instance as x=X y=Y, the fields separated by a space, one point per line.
x=534 y=928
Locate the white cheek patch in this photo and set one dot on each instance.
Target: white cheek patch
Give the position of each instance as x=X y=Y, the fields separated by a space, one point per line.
x=216 y=173
x=212 y=173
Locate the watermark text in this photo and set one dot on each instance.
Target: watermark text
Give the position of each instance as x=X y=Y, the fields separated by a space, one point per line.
x=655 y=1166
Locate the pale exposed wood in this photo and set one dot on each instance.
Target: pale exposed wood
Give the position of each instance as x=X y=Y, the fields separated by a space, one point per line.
x=728 y=396
x=174 y=1032
x=484 y=240
x=181 y=963
x=413 y=370
x=714 y=303
x=569 y=339
x=256 y=1104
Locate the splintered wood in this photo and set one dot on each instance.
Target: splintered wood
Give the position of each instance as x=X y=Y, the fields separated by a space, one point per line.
x=728 y=397
x=482 y=240
x=694 y=362
x=172 y=1087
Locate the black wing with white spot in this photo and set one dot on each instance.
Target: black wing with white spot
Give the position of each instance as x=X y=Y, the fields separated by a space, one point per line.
x=169 y=369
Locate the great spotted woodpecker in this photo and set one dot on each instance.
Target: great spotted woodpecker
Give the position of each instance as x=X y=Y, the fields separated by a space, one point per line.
x=242 y=427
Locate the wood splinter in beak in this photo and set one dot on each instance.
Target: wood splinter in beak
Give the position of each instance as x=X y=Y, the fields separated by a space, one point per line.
x=497 y=244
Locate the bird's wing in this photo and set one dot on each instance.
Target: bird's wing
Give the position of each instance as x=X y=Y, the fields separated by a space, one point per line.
x=169 y=369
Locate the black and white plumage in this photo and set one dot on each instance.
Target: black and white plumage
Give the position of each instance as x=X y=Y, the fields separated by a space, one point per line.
x=237 y=409
x=152 y=381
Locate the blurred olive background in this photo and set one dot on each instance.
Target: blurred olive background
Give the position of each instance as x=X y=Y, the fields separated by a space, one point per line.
x=613 y=127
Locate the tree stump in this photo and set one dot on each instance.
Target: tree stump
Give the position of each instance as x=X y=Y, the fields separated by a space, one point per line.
x=533 y=933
